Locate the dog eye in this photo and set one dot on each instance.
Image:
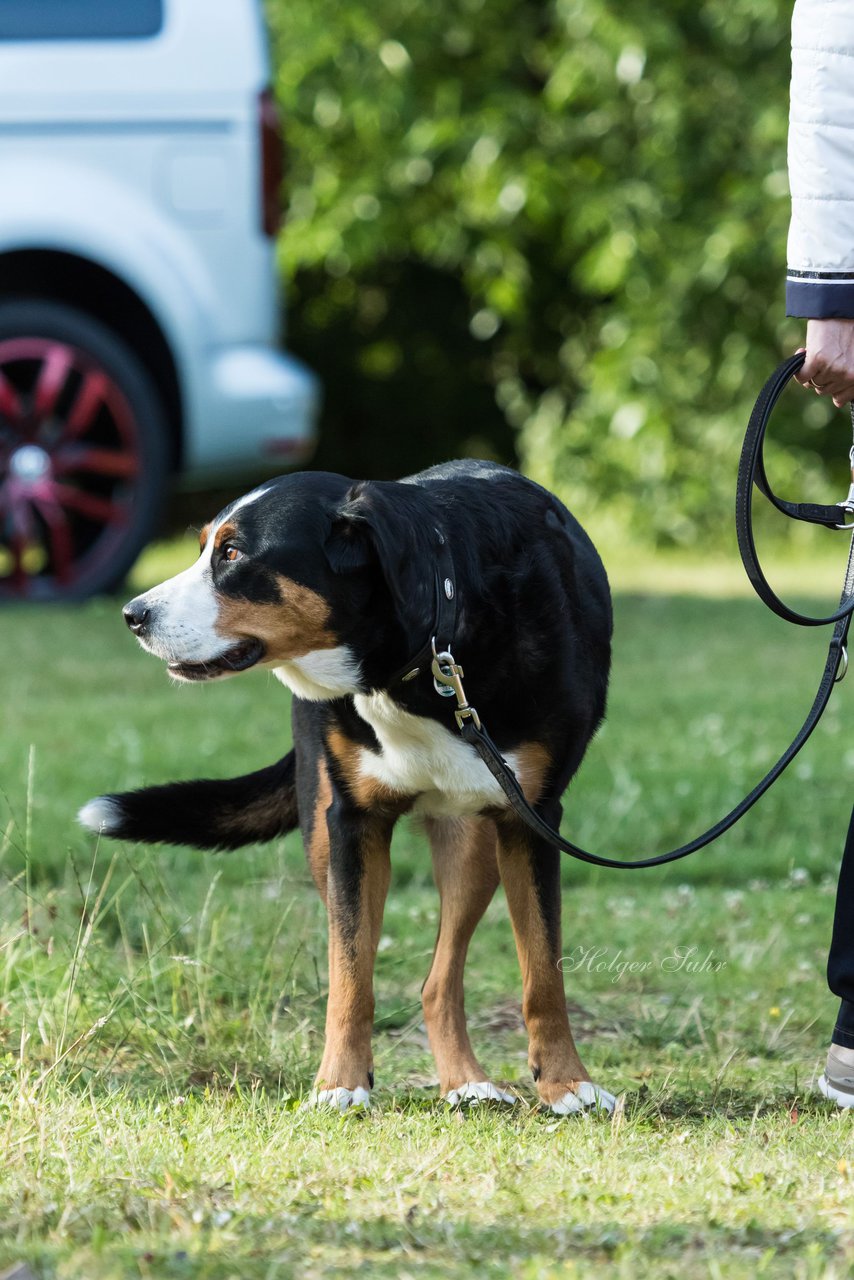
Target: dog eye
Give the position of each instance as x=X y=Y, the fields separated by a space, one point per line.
x=230 y=552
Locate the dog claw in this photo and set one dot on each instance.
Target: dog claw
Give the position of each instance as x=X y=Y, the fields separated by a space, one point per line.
x=474 y=1092
x=587 y=1097
x=339 y=1099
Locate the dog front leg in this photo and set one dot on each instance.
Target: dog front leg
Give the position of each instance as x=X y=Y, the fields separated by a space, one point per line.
x=358 y=876
x=466 y=873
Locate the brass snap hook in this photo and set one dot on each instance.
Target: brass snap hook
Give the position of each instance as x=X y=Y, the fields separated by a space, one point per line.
x=447 y=674
x=448 y=683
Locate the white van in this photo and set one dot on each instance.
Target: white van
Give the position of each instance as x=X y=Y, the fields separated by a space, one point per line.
x=140 y=166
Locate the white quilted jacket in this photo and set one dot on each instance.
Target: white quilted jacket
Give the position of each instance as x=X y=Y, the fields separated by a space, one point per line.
x=821 y=160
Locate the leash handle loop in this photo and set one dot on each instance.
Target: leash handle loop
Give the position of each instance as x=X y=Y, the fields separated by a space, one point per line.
x=751 y=472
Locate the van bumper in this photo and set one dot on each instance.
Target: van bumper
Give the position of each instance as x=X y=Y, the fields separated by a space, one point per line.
x=256 y=411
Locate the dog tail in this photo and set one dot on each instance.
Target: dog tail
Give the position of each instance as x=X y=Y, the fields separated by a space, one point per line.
x=210 y=813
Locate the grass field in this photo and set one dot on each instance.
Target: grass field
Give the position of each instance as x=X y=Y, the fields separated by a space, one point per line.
x=161 y=1010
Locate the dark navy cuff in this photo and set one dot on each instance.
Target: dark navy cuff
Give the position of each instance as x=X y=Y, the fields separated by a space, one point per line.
x=817 y=295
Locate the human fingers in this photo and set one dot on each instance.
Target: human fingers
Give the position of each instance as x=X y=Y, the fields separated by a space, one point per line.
x=845 y=396
x=799 y=373
x=829 y=363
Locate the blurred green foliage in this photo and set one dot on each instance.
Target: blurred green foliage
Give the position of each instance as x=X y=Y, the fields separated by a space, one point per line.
x=551 y=232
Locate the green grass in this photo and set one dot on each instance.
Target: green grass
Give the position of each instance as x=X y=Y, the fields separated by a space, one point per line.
x=161 y=1010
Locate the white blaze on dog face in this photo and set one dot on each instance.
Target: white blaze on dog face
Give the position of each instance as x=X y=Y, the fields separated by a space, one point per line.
x=184 y=613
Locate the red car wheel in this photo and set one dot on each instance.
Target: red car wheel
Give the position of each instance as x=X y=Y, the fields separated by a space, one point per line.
x=82 y=455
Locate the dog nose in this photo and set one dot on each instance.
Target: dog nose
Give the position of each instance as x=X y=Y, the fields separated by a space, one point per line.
x=136 y=615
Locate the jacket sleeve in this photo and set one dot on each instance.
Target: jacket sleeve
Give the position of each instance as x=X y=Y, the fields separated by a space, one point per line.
x=820 y=280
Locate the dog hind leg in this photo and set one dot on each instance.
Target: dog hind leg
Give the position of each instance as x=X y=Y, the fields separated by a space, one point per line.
x=530 y=873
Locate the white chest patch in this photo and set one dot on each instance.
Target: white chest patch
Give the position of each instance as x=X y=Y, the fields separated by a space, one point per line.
x=321 y=675
x=420 y=757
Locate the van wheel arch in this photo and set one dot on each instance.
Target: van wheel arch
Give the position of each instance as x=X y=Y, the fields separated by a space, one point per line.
x=89 y=287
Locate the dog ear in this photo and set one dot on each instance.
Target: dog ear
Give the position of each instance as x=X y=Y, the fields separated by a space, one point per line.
x=348 y=546
x=390 y=525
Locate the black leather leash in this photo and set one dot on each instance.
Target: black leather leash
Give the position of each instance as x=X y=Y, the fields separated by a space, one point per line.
x=448 y=674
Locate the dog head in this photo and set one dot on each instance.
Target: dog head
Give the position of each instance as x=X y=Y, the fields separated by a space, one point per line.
x=306 y=574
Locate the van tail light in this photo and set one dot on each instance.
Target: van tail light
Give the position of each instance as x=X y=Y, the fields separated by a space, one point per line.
x=272 y=162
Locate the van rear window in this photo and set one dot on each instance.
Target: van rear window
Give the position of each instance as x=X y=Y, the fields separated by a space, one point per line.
x=80 y=19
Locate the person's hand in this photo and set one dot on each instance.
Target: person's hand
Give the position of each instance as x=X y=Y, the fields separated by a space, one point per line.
x=829 y=366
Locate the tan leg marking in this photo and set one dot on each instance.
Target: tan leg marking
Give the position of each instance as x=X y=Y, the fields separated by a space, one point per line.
x=466 y=873
x=532 y=766
x=347 y=1058
x=552 y=1055
x=318 y=845
x=367 y=792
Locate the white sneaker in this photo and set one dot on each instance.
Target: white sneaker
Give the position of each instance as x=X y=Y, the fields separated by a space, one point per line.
x=837 y=1083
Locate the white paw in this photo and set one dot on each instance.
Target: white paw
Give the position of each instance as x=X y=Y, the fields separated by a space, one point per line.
x=474 y=1092
x=586 y=1097
x=338 y=1099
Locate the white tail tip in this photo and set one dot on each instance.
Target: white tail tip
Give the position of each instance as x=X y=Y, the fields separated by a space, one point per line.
x=101 y=815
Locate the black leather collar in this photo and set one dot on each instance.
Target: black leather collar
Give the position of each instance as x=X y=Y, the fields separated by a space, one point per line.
x=444 y=616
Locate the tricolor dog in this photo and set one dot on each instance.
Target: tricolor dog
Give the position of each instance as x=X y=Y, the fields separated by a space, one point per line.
x=340 y=588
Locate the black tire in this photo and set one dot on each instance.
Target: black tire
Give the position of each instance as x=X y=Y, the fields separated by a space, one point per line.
x=77 y=502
